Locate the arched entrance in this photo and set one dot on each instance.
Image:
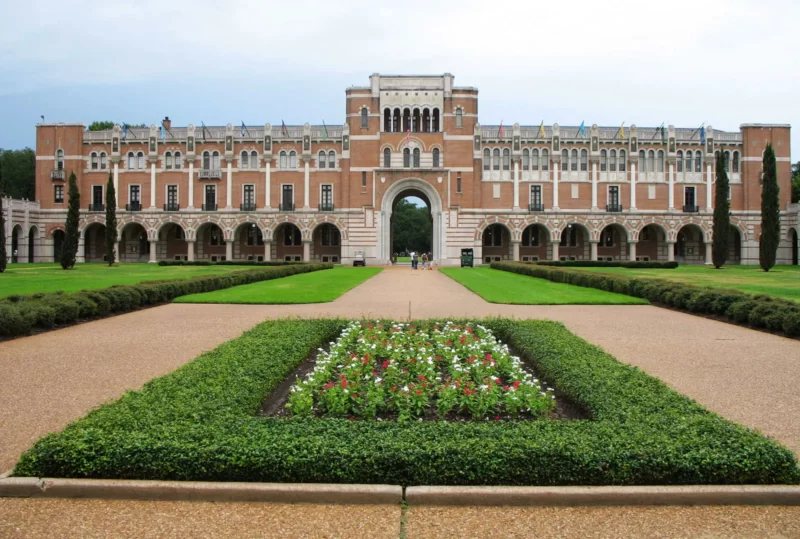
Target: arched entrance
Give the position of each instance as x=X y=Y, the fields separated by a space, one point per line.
x=33 y=244
x=58 y=244
x=398 y=191
x=16 y=237
x=690 y=247
x=535 y=243
x=133 y=244
x=94 y=243
x=496 y=242
x=652 y=244
x=327 y=244
x=411 y=224
x=574 y=243
x=734 y=246
x=210 y=243
x=172 y=243
x=248 y=243
x=288 y=242
x=793 y=238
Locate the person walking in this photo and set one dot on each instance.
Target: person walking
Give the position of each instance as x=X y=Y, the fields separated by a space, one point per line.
x=424 y=260
x=414 y=260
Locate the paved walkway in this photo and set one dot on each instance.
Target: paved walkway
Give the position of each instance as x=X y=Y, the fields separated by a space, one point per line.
x=51 y=379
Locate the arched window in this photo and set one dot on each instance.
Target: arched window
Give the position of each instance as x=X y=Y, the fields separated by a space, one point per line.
x=603 y=160
x=584 y=161
x=416 y=157
x=331 y=159
x=487 y=159
x=364 y=118
x=436 y=158
x=435 y=120
x=292 y=159
x=506 y=159
x=321 y=160
x=612 y=161
x=284 y=163
x=140 y=159
x=642 y=160
x=459 y=118
x=534 y=159
x=60 y=159
x=688 y=167
x=679 y=160
x=387 y=158
x=244 y=160
x=254 y=159
x=206 y=160
x=387 y=120
x=496 y=159
x=215 y=159
x=168 y=161
x=177 y=160
x=573 y=162
x=94 y=161
x=735 y=163
x=651 y=161
x=406 y=157
x=526 y=159
x=564 y=160
x=103 y=162
x=545 y=160
x=727 y=161
x=622 y=161
x=131 y=161
x=660 y=161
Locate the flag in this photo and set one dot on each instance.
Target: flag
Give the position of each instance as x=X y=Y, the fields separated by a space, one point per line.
x=582 y=129
x=163 y=133
x=124 y=131
x=244 y=129
x=702 y=134
x=204 y=131
x=622 y=131
x=284 y=131
x=663 y=134
x=658 y=129
x=500 y=133
x=541 y=130
x=324 y=131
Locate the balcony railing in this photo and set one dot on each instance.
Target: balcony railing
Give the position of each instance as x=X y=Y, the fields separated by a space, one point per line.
x=58 y=174
x=248 y=206
x=326 y=206
x=133 y=206
x=286 y=207
x=536 y=207
x=97 y=207
x=172 y=207
x=209 y=207
x=687 y=208
x=613 y=208
x=210 y=174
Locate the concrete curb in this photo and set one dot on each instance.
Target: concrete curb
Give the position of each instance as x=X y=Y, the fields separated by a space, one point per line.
x=31 y=487
x=623 y=495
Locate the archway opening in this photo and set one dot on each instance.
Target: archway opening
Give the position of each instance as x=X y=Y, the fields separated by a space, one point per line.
x=172 y=243
x=496 y=243
x=652 y=244
x=248 y=243
x=33 y=244
x=795 y=247
x=210 y=243
x=327 y=244
x=535 y=243
x=574 y=243
x=94 y=243
x=288 y=242
x=411 y=225
x=690 y=247
x=133 y=244
x=58 y=244
x=16 y=236
x=734 y=246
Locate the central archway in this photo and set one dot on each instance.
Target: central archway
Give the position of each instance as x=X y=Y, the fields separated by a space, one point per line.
x=397 y=191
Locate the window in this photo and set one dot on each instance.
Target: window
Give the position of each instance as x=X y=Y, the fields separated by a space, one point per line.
x=243 y=160
x=321 y=160
x=584 y=161
x=254 y=235
x=254 y=159
x=496 y=159
x=206 y=160
x=287 y=197
x=94 y=161
x=58 y=194
x=534 y=159
x=387 y=158
x=97 y=195
x=131 y=161
x=283 y=161
x=459 y=118
x=364 y=118
x=573 y=163
x=642 y=160
x=526 y=159
x=329 y=235
x=679 y=161
x=416 y=157
x=536 y=195
x=168 y=161
x=331 y=159
x=406 y=157
x=487 y=159
x=436 y=158
x=612 y=161
x=603 y=161
x=688 y=167
x=103 y=162
x=292 y=159
x=607 y=237
x=249 y=195
x=215 y=160
x=364 y=180
x=134 y=194
x=493 y=236
x=688 y=196
x=172 y=195
x=545 y=160
x=651 y=161
x=60 y=160
x=569 y=237
x=613 y=195
x=291 y=235
x=698 y=162
x=458 y=183
x=140 y=160
x=735 y=163
x=622 y=161
x=326 y=198
x=727 y=161
x=211 y=196
x=660 y=163
x=564 y=160
x=531 y=236
x=506 y=159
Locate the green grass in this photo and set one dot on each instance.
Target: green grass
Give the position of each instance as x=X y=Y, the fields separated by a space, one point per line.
x=33 y=278
x=404 y=259
x=780 y=281
x=317 y=287
x=497 y=286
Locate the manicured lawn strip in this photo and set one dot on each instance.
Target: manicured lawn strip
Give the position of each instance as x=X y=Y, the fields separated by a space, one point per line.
x=404 y=259
x=21 y=279
x=21 y=315
x=780 y=281
x=498 y=286
x=317 y=287
x=760 y=311
x=199 y=423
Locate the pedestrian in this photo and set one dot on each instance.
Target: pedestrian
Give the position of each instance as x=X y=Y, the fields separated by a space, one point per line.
x=430 y=261
x=414 y=260
x=424 y=260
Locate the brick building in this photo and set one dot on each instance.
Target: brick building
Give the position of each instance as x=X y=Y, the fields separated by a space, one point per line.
x=323 y=192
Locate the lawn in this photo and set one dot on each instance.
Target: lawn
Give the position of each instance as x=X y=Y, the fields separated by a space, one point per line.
x=497 y=286
x=46 y=277
x=780 y=281
x=406 y=259
x=317 y=287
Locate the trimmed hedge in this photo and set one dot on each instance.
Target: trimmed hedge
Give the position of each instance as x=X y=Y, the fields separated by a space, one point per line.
x=226 y=263
x=761 y=311
x=200 y=423
x=605 y=264
x=21 y=315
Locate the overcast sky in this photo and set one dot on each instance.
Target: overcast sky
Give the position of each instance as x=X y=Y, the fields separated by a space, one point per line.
x=680 y=62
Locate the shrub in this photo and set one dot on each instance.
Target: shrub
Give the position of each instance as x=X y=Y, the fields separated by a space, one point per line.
x=605 y=264
x=12 y=322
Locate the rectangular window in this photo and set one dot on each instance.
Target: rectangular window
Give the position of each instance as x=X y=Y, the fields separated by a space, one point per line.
x=249 y=194
x=97 y=195
x=326 y=196
x=458 y=183
x=287 y=197
x=688 y=196
x=536 y=195
x=363 y=180
x=613 y=195
x=172 y=195
x=211 y=196
x=134 y=194
x=59 y=194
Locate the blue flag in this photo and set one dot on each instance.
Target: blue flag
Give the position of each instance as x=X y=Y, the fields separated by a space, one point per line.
x=163 y=133
x=124 y=131
x=702 y=134
x=243 y=129
x=582 y=129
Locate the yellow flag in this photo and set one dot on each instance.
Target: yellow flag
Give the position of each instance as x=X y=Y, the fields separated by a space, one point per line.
x=541 y=130
x=622 y=131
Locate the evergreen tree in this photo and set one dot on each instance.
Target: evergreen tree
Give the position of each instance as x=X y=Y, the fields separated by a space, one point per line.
x=770 y=211
x=3 y=259
x=71 y=237
x=722 y=216
x=111 y=220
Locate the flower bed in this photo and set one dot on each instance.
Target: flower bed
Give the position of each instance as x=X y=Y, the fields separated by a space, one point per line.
x=414 y=370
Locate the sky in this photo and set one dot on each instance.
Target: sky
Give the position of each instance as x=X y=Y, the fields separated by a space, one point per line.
x=683 y=63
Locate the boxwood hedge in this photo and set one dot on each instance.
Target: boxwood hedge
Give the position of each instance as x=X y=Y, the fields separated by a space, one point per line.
x=761 y=311
x=200 y=423
x=226 y=263
x=21 y=315
x=606 y=264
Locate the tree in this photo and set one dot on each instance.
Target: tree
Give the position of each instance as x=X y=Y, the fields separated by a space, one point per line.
x=770 y=211
x=411 y=228
x=69 y=251
x=3 y=259
x=100 y=126
x=722 y=216
x=111 y=220
x=796 y=183
x=18 y=173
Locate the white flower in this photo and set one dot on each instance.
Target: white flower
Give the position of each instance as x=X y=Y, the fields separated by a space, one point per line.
x=405 y=388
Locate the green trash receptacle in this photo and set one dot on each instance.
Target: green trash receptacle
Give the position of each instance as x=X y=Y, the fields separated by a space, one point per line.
x=466 y=258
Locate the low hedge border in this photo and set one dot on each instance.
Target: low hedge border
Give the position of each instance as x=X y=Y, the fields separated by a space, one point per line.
x=604 y=264
x=21 y=315
x=226 y=263
x=760 y=311
x=199 y=423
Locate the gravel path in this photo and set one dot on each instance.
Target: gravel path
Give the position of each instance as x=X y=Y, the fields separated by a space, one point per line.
x=51 y=379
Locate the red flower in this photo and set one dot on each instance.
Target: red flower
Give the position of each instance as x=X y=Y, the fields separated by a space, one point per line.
x=438 y=358
x=386 y=364
x=328 y=385
x=516 y=385
x=355 y=395
x=352 y=418
x=419 y=392
x=488 y=357
x=421 y=377
x=497 y=418
x=506 y=387
x=374 y=373
x=344 y=382
x=448 y=343
x=394 y=388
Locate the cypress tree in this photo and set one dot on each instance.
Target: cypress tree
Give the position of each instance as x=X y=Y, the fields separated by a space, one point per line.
x=111 y=220
x=71 y=237
x=722 y=217
x=3 y=259
x=770 y=211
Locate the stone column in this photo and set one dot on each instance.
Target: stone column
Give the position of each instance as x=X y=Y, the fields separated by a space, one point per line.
x=555 y=185
x=515 y=250
x=709 y=200
x=152 y=185
x=671 y=186
x=593 y=246
x=191 y=184
x=671 y=251
x=228 y=249
x=594 y=188
x=267 y=250
x=153 y=249
x=116 y=250
x=229 y=186
x=633 y=187
x=554 y=245
x=709 y=259
x=190 y=250
x=267 y=191
x=632 y=250
x=306 y=251
x=306 y=184
x=516 y=186
x=116 y=180
x=80 y=255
